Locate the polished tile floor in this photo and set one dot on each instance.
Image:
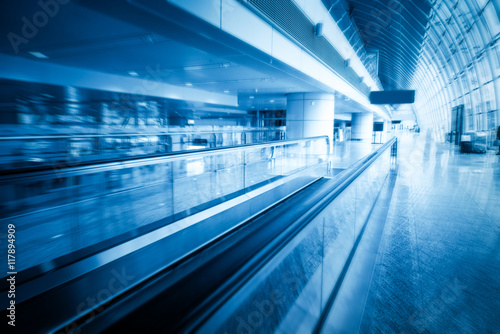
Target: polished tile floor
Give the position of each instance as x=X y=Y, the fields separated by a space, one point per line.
x=438 y=266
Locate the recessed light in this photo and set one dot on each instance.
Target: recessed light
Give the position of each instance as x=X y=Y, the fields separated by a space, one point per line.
x=226 y=91
x=252 y=97
x=193 y=68
x=38 y=54
x=272 y=101
x=133 y=73
x=189 y=84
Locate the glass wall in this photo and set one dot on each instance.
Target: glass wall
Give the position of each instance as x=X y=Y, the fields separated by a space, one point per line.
x=62 y=151
x=459 y=65
x=291 y=291
x=58 y=212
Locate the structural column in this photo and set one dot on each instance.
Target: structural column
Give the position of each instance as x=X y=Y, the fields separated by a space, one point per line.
x=362 y=126
x=387 y=128
x=310 y=115
x=342 y=133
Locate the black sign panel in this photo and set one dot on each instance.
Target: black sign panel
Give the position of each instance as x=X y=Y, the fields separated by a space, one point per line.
x=393 y=97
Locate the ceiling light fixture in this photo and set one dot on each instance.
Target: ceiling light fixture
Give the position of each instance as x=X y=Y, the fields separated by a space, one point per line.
x=252 y=97
x=38 y=54
x=193 y=68
x=133 y=73
x=226 y=91
x=318 y=29
x=189 y=84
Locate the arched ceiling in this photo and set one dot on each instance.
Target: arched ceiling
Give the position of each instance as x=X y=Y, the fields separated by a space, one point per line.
x=396 y=29
x=460 y=66
x=446 y=50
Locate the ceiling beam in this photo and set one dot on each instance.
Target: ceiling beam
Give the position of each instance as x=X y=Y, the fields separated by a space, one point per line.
x=21 y=69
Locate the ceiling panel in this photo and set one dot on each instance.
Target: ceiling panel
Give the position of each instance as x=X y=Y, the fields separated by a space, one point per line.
x=395 y=28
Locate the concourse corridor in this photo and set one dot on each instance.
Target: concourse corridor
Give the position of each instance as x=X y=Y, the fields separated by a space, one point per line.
x=438 y=261
x=250 y=166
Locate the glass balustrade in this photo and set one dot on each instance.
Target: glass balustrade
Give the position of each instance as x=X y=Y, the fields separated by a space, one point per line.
x=60 y=151
x=91 y=208
x=290 y=292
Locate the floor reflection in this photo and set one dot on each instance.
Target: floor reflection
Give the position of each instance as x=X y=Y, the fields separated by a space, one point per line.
x=437 y=269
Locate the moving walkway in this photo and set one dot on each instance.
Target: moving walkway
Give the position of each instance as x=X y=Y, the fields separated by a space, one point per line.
x=208 y=287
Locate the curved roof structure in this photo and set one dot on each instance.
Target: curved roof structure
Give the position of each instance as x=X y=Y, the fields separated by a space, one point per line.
x=460 y=65
x=396 y=30
x=446 y=50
